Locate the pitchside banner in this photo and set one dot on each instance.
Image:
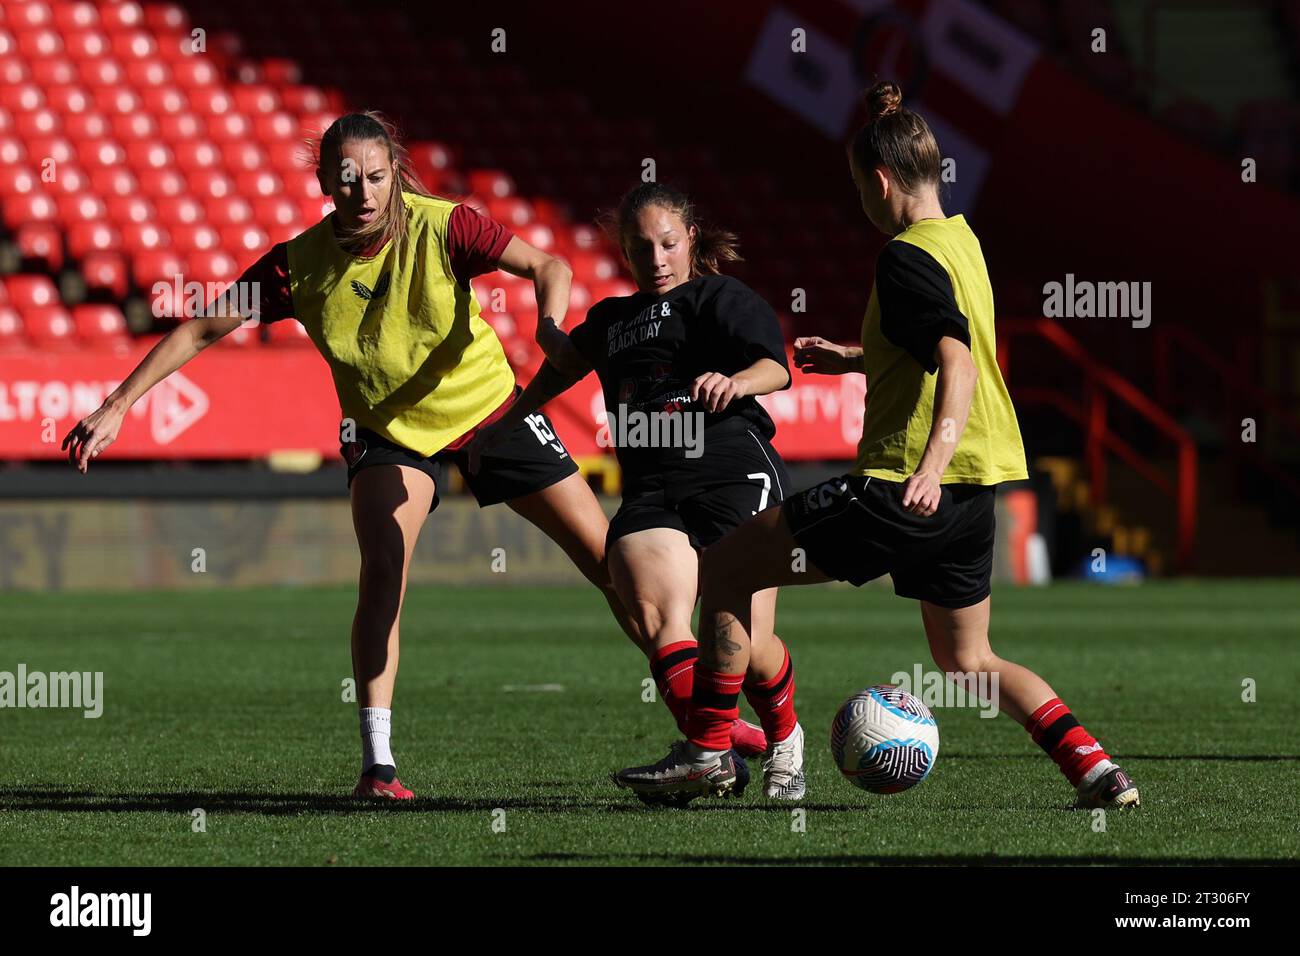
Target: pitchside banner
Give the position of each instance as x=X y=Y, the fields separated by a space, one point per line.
x=233 y=403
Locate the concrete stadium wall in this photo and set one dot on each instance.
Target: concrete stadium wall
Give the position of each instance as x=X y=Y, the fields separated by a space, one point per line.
x=141 y=544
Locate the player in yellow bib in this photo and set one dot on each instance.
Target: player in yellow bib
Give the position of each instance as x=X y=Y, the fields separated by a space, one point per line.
x=939 y=434
x=382 y=287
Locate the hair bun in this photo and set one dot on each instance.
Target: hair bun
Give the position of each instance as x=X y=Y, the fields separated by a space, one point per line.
x=883 y=99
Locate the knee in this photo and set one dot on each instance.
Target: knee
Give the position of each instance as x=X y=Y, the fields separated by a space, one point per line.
x=964 y=660
x=383 y=573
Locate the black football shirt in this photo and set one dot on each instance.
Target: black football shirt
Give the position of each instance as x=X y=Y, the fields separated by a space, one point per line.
x=647 y=349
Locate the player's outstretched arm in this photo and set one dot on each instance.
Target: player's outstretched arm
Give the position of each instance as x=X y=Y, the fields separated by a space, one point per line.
x=99 y=429
x=815 y=355
x=552 y=279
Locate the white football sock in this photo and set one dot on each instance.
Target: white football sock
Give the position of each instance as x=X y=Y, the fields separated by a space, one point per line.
x=376 y=728
x=701 y=757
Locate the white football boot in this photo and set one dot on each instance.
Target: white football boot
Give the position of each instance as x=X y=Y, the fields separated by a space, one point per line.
x=783 y=777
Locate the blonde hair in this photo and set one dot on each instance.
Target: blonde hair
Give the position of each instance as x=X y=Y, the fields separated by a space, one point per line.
x=390 y=223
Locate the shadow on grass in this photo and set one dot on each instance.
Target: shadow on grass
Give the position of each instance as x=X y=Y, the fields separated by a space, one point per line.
x=35 y=799
x=739 y=859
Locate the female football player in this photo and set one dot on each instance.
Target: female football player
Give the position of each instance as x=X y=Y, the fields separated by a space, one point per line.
x=680 y=362
x=382 y=287
x=940 y=433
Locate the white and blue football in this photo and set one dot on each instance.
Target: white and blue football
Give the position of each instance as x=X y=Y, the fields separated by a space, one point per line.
x=884 y=740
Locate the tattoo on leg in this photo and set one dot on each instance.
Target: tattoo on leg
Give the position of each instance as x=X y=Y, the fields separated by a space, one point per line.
x=722 y=642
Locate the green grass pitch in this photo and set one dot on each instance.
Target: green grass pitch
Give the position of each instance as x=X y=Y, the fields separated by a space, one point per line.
x=231 y=702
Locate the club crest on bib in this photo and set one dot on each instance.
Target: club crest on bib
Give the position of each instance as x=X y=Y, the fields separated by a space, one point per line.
x=378 y=292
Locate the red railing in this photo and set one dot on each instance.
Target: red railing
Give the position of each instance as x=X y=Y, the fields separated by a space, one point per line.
x=1235 y=386
x=1101 y=384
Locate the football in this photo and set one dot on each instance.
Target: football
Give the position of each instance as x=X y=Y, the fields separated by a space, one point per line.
x=884 y=740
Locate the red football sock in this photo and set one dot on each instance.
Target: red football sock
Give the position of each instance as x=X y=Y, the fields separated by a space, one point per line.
x=673 y=669
x=773 y=701
x=715 y=706
x=1065 y=740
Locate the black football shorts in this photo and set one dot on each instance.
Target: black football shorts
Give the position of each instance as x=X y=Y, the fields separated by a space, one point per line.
x=531 y=458
x=738 y=475
x=855 y=529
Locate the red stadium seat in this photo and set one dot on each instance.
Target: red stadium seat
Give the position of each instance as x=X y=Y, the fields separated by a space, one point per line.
x=116 y=100
x=197 y=238
x=49 y=326
x=194 y=73
x=70 y=181
x=303 y=99
x=260 y=184
x=11 y=329
x=134 y=128
x=166 y=18
x=256 y=99
x=85 y=44
x=131 y=209
x=143 y=74
x=30 y=291
x=108 y=182
x=210 y=101
x=22 y=97
x=210 y=184
x=12 y=151
x=87 y=237
x=88 y=125
x=274 y=127
x=161 y=100
x=106 y=271
x=42 y=122
x=229 y=211
x=101 y=72
x=45 y=148
x=100 y=325
x=18 y=180
x=162 y=265
x=246 y=242
x=226 y=129
x=243 y=157
x=41 y=242
x=197 y=154
x=131 y=45
x=182 y=210
x=39 y=44
x=314 y=210
x=491 y=183
x=80 y=207
x=75 y=16
x=288 y=156
x=180 y=127
x=99 y=153
x=65 y=98
x=29 y=207
x=301 y=184
x=140 y=237
x=117 y=17
x=510 y=211
x=148 y=155
x=159 y=183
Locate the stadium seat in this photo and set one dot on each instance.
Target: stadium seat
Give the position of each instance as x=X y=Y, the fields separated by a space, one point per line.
x=87 y=237
x=131 y=209
x=162 y=265
x=159 y=183
x=100 y=325
x=140 y=237
x=41 y=242
x=105 y=272
x=28 y=207
x=49 y=326
x=231 y=210
x=11 y=329
x=80 y=207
